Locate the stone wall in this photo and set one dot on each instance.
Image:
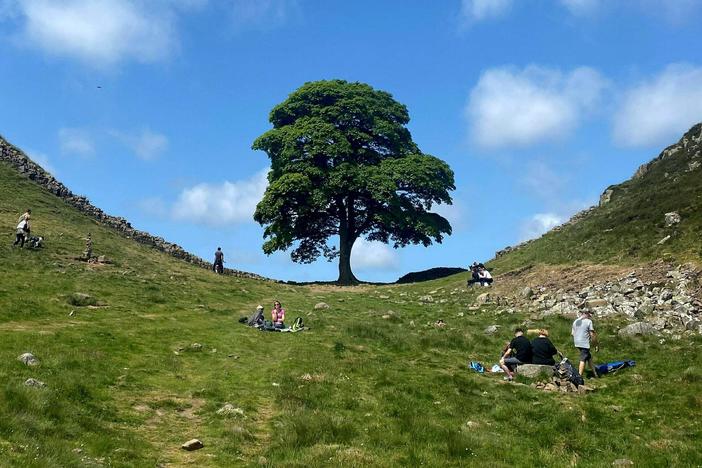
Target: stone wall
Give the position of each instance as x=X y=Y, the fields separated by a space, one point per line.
x=28 y=168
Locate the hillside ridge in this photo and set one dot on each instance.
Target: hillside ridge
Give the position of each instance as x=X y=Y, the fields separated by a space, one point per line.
x=18 y=159
x=688 y=147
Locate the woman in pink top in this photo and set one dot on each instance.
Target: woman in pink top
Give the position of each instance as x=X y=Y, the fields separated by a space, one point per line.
x=278 y=315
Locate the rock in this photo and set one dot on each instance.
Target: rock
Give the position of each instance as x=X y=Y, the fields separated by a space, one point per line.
x=533 y=371
x=34 y=383
x=81 y=300
x=622 y=462
x=193 y=444
x=492 y=329
x=382 y=296
x=596 y=303
x=321 y=306
x=638 y=328
x=28 y=359
x=262 y=461
x=484 y=298
x=606 y=197
x=230 y=410
x=426 y=299
x=195 y=347
x=386 y=316
x=664 y=240
x=527 y=292
x=672 y=218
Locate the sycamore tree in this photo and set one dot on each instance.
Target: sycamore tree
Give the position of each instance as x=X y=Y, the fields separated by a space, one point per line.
x=343 y=165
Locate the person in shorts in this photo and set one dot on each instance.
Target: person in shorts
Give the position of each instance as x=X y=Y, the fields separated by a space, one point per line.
x=584 y=338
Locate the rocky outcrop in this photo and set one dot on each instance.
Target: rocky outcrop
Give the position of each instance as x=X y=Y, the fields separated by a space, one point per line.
x=667 y=303
x=25 y=166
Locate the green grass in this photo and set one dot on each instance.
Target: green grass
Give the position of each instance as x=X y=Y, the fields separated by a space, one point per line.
x=124 y=387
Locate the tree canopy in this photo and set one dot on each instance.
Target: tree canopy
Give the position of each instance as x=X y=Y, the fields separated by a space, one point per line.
x=344 y=164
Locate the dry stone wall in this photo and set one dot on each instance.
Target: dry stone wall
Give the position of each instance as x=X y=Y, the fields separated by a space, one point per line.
x=25 y=166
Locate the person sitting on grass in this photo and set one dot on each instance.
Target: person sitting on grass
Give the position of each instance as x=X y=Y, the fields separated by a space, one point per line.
x=278 y=315
x=484 y=277
x=543 y=350
x=518 y=352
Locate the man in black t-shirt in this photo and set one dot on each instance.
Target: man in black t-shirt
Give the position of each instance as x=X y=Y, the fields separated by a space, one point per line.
x=218 y=265
x=518 y=352
x=543 y=350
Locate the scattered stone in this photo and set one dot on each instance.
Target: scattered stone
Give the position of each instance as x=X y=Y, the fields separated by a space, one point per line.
x=262 y=461
x=672 y=218
x=638 y=328
x=28 y=359
x=664 y=240
x=230 y=410
x=34 y=383
x=596 y=303
x=81 y=300
x=386 y=316
x=321 y=306
x=193 y=444
x=440 y=323
x=484 y=298
x=426 y=299
x=492 y=329
x=533 y=371
x=382 y=296
x=527 y=293
x=622 y=462
x=195 y=347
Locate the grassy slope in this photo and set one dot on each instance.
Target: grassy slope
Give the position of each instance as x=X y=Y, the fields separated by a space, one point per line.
x=383 y=392
x=627 y=230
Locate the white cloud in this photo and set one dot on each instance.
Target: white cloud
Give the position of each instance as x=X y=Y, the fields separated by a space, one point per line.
x=153 y=206
x=373 y=256
x=660 y=109
x=539 y=224
x=100 y=32
x=478 y=10
x=146 y=144
x=43 y=161
x=221 y=204
x=511 y=107
x=76 y=141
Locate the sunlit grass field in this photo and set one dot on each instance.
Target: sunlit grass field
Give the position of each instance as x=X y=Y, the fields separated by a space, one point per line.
x=372 y=382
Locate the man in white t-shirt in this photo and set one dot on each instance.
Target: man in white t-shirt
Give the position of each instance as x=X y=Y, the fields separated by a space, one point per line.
x=583 y=337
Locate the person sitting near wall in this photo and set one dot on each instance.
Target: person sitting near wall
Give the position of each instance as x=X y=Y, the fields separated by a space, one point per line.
x=484 y=277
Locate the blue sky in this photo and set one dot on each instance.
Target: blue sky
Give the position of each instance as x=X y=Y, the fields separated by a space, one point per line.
x=149 y=108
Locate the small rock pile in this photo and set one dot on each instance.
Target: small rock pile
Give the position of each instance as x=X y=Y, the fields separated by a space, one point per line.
x=557 y=384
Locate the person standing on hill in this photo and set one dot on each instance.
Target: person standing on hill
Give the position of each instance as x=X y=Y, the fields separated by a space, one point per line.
x=583 y=337
x=218 y=265
x=23 y=228
x=518 y=352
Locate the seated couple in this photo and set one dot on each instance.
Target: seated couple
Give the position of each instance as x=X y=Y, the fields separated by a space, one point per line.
x=521 y=351
x=479 y=275
x=277 y=316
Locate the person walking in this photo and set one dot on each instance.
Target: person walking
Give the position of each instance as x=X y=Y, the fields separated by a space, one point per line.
x=584 y=337
x=218 y=265
x=23 y=228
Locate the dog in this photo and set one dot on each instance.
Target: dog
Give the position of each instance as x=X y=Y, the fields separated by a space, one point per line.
x=35 y=242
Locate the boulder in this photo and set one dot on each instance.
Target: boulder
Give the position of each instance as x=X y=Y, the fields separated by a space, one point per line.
x=484 y=298
x=34 y=383
x=321 y=306
x=606 y=197
x=28 y=359
x=596 y=302
x=193 y=444
x=492 y=329
x=527 y=293
x=672 y=218
x=533 y=371
x=638 y=328
x=426 y=299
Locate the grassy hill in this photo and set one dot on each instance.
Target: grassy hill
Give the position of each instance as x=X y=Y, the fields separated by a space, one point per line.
x=373 y=383
x=628 y=228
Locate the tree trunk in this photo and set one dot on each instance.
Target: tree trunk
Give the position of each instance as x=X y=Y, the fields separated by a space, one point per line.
x=346 y=277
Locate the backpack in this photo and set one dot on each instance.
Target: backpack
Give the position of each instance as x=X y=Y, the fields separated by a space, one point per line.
x=612 y=367
x=565 y=370
x=476 y=366
x=297 y=325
